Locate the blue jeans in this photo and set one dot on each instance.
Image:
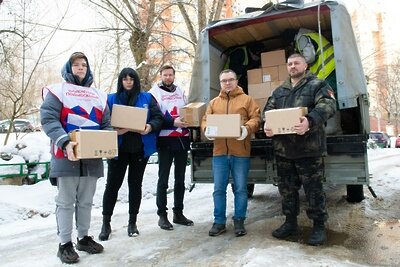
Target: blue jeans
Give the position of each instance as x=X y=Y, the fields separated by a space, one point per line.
x=238 y=168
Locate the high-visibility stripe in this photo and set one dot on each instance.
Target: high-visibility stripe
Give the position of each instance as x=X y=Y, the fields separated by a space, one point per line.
x=324 y=63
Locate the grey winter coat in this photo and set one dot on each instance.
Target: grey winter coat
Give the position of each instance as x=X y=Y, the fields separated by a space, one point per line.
x=62 y=167
x=318 y=97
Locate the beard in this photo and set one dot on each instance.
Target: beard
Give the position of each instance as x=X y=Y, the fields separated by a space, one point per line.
x=297 y=74
x=166 y=84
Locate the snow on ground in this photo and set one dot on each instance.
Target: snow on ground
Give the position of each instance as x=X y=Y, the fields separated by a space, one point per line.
x=28 y=227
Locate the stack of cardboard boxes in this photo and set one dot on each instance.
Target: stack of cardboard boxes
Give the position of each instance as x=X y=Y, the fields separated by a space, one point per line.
x=262 y=81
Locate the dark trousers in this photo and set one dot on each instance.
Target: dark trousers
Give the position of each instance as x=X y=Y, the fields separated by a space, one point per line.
x=115 y=176
x=292 y=174
x=165 y=159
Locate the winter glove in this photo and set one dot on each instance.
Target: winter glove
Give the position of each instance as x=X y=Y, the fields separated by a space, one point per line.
x=206 y=133
x=244 y=133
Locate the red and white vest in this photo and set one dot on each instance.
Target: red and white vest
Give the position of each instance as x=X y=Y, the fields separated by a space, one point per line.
x=169 y=103
x=82 y=107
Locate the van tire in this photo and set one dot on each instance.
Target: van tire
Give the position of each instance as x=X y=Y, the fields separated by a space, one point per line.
x=355 y=193
x=250 y=190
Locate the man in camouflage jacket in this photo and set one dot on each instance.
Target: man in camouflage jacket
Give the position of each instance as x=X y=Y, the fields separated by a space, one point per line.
x=299 y=156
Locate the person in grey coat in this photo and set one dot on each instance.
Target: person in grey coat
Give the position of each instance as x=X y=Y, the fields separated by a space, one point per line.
x=67 y=106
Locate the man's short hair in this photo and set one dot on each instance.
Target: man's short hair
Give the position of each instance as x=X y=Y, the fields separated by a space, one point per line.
x=228 y=71
x=167 y=67
x=297 y=55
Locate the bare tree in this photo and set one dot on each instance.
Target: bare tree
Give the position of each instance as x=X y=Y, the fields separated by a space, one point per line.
x=19 y=63
x=205 y=14
x=155 y=33
x=386 y=80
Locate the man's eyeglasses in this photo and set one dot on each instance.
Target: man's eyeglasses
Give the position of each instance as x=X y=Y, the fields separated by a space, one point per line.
x=227 y=80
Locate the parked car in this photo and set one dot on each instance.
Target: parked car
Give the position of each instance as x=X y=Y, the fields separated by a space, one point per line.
x=397 y=144
x=380 y=138
x=20 y=125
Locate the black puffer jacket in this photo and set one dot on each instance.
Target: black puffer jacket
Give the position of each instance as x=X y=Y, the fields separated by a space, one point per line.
x=318 y=97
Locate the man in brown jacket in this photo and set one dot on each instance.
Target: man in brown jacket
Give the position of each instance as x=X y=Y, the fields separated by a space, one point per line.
x=230 y=155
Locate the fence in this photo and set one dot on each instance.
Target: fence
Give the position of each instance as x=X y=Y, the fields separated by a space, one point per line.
x=26 y=172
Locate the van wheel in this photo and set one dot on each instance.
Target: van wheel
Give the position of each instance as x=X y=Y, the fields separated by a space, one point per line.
x=355 y=193
x=250 y=190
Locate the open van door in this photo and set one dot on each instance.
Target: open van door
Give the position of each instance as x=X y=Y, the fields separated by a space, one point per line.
x=346 y=161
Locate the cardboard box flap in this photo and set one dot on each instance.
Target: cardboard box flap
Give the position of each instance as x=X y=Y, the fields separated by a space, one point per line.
x=194 y=105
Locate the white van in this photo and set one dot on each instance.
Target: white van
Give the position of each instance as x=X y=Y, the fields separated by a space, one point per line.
x=346 y=162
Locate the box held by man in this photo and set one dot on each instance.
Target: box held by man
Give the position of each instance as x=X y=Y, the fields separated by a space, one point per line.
x=193 y=113
x=223 y=125
x=94 y=143
x=282 y=121
x=127 y=117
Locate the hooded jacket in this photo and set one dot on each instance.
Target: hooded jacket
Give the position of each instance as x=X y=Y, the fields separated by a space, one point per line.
x=318 y=97
x=234 y=102
x=69 y=106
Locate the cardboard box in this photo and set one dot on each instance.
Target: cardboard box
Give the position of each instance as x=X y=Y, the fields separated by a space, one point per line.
x=193 y=113
x=282 y=121
x=270 y=74
x=95 y=143
x=261 y=102
x=273 y=58
x=276 y=84
x=254 y=76
x=282 y=72
x=223 y=125
x=261 y=90
x=128 y=117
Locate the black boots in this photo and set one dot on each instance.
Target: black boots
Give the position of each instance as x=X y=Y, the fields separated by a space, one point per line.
x=132 y=228
x=164 y=223
x=67 y=253
x=179 y=218
x=289 y=227
x=217 y=229
x=318 y=235
x=106 y=228
x=239 y=227
x=89 y=245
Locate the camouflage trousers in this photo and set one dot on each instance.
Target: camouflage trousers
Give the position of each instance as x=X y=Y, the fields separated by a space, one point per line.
x=292 y=174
